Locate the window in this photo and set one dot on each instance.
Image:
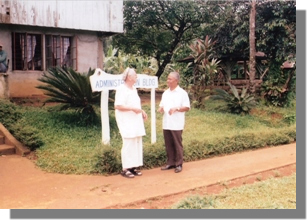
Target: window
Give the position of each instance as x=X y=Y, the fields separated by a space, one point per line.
x=27 y=51
x=60 y=51
x=40 y=52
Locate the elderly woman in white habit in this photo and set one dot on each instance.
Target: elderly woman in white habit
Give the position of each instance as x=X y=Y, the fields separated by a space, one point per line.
x=130 y=121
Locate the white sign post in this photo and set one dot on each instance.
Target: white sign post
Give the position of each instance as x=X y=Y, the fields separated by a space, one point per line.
x=103 y=82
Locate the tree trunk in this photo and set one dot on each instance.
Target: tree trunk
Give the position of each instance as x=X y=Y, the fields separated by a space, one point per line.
x=287 y=83
x=162 y=67
x=252 y=46
x=168 y=57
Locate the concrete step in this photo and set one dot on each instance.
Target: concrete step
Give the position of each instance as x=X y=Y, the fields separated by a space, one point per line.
x=10 y=140
x=7 y=149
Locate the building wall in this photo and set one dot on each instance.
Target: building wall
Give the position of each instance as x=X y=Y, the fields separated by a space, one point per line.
x=106 y=16
x=4 y=90
x=23 y=83
x=87 y=21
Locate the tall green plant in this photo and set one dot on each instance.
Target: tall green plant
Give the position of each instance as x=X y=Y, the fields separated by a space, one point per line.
x=204 y=69
x=72 y=90
x=236 y=103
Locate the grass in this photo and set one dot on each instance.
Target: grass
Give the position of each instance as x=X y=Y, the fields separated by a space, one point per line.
x=73 y=147
x=69 y=147
x=274 y=193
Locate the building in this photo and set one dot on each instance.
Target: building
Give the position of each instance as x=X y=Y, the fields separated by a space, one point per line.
x=40 y=34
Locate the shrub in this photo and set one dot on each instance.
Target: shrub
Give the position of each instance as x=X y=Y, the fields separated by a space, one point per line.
x=9 y=113
x=28 y=136
x=236 y=103
x=109 y=161
x=154 y=155
x=72 y=90
x=11 y=117
x=279 y=89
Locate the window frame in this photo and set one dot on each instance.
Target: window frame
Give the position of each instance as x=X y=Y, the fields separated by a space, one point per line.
x=41 y=59
x=55 y=51
x=22 y=50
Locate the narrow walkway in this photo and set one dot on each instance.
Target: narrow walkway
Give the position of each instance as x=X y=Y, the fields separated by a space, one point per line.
x=23 y=186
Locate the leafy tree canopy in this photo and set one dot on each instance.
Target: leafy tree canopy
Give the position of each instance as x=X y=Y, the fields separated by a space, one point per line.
x=156 y=28
x=163 y=29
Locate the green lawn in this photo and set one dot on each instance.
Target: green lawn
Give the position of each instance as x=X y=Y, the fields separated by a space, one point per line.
x=274 y=193
x=71 y=146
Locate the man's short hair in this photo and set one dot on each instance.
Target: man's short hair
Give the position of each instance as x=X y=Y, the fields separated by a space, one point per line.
x=176 y=75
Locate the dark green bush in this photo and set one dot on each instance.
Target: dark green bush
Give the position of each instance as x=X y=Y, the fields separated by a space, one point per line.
x=200 y=150
x=9 y=113
x=155 y=155
x=235 y=103
x=11 y=118
x=109 y=161
x=195 y=151
x=28 y=136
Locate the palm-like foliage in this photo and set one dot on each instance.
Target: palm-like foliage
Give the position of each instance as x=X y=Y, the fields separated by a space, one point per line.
x=205 y=69
x=236 y=103
x=69 y=88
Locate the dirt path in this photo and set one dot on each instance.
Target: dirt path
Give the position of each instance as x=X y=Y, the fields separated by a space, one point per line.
x=165 y=202
x=23 y=186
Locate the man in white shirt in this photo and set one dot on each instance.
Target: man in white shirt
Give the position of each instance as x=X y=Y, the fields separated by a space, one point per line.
x=174 y=103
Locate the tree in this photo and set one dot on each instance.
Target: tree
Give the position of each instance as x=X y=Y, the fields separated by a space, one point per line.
x=276 y=30
x=275 y=33
x=252 y=48
x=277 y=39
x=157 y=28
x=230 y=30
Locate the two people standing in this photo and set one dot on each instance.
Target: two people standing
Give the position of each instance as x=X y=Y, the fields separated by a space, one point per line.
x=130 y=121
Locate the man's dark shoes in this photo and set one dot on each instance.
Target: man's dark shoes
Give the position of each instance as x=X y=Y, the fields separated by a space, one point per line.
x=168 y=167
x=178 y=169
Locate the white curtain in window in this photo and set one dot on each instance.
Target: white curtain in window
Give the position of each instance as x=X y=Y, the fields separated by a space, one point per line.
x=66 y=56
x=29 y=47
